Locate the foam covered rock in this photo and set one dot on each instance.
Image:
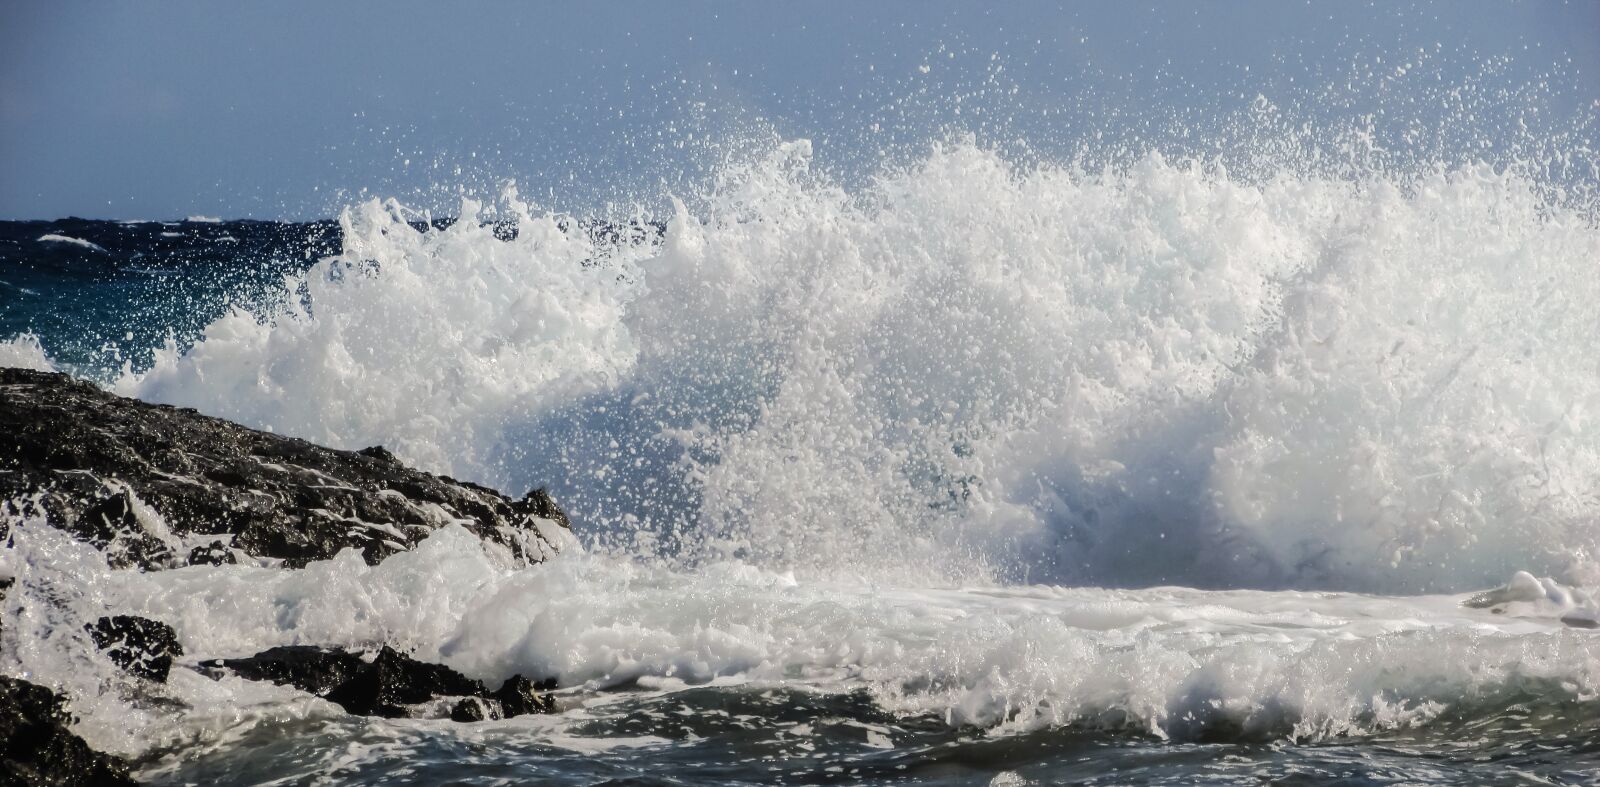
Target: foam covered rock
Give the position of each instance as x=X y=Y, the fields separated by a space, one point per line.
x=141 y=646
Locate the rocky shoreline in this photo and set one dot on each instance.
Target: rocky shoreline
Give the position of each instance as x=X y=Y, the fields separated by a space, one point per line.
x=155 y=487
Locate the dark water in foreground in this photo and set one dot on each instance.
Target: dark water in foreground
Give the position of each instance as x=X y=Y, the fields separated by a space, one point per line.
x=741 y=736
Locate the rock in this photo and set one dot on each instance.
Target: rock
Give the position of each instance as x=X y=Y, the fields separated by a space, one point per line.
x=113 y=525
x=392 y=684
x=36 y=748
x=475 y=709
x=538 y=503
x=141 y=646
x=381 y=454
x=394 y=680
x=518 y=696
x=215 y=553
x=306 y=667
x=140 y=480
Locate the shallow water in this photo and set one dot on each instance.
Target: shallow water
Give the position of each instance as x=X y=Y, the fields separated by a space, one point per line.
x=732 y=674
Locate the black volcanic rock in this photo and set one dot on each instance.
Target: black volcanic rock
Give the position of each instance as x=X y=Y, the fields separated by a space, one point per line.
x=36 y=748
x=215 y=553
x=112 y=524
x=518 y=696
x=394 y=680
x=471 y=709
x=146 y=482
x=392 y=684
x=141 y=646
x=305 y=667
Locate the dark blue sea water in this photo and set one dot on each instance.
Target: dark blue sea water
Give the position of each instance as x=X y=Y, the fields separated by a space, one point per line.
x=129 y=285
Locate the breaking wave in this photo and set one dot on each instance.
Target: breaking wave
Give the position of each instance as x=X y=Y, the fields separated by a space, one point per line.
x=974 y=369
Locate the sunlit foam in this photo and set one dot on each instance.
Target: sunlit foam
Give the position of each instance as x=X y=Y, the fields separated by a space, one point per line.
x=974 y=370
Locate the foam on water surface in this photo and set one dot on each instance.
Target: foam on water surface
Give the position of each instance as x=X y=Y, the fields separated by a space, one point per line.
x=52 y=238
x=1170 y=662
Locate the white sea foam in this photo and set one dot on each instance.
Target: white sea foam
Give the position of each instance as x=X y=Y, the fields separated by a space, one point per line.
x=970 y=369
x=25 y=352
x=23 y=290
x=1165 y=660
x=54 y=238
x=378 y=351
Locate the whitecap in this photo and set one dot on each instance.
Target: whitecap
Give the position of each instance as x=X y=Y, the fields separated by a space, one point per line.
x=53 y=238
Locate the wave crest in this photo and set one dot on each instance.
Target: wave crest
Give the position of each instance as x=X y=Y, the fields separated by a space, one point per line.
x=971 y=369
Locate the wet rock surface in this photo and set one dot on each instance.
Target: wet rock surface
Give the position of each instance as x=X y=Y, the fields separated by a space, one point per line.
x=141 y=646
x=305 y=667
x=159 y=487
x=392 y=684
x=519 y=696
x=156 y=487
x=471 y=709
x=37 y=748
x=394 y=680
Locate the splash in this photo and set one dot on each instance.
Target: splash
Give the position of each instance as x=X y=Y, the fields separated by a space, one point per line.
x=25 y=352
x=1153 y=373
x=430 y=342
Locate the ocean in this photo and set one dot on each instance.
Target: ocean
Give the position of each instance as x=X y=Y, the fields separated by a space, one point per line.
x=979 y=471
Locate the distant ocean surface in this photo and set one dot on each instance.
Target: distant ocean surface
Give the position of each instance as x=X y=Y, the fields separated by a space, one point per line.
x=983 y=473
x=94 y=290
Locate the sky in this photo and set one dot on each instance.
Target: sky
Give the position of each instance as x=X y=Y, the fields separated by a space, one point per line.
x=159 y=110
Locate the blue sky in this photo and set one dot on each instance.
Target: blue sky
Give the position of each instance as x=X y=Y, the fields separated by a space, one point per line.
x=288 y=110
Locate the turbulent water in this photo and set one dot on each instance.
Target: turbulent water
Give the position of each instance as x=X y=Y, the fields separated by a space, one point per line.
x=982 y=471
